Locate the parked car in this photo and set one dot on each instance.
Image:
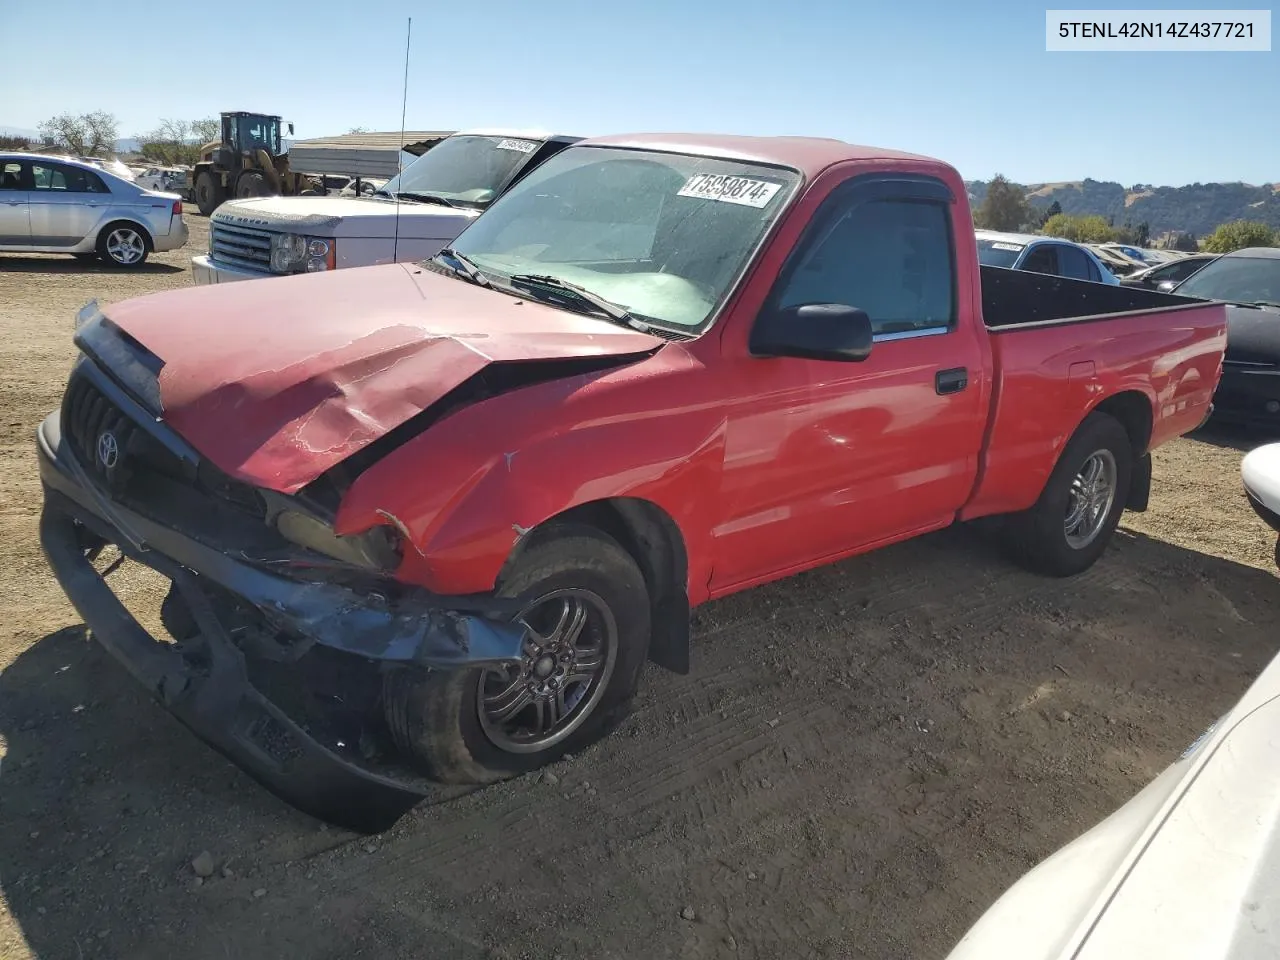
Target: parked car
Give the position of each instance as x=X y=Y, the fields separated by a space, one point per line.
x=1186 y=870
x=454 y=506
x=1059 y=258
x=1249 y=282
x=64 y=206
x=409 y=218
x=1165 y=276
x=165 y=180
x=1260 y=472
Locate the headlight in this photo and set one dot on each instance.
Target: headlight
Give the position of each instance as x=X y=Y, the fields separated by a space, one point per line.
x=287 y=251
x=378 y=548
x=293 y=253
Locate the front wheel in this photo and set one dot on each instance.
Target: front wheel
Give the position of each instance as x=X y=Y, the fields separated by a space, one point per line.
x=586 y=613
x=209 y=193
x=1071 y=524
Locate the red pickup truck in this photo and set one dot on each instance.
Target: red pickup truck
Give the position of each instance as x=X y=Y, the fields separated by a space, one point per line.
x=431 y=520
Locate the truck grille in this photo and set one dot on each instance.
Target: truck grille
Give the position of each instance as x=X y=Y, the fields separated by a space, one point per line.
x=98 y=430
x=241 y=246
x=127 y=461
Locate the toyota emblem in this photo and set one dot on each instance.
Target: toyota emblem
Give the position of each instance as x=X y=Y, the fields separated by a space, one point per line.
x=108 y=449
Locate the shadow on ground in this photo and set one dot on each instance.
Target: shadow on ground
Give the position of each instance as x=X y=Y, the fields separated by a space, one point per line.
x=862 y=759
x=18 y=263
x=1231 y=436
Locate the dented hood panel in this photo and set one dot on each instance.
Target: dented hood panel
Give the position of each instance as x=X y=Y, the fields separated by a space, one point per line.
x=277 y=382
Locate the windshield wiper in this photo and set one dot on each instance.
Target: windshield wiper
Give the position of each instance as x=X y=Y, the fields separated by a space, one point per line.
x=464 y=267
x=1266 y=303
x=613 y=311
x=426 y=198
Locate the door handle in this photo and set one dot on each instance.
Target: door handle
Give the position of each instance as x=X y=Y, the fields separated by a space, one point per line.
x=950 y=381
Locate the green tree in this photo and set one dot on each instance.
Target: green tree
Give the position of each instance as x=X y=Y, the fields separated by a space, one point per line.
x=8 y=142
x=83 y=135
x=169 y=144
x=1090 y=229
x=1053 y=210
x=1005 y=206
x=1240 y=234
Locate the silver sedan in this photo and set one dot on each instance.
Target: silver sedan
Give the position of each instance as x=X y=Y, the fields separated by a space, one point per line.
x=60 y=205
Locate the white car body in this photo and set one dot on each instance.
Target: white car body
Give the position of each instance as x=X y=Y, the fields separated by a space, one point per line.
x=1189 y=869
x=1260 y=473
x=47 y=205
x=360 y=231
x=248 y=238
x=162 y=178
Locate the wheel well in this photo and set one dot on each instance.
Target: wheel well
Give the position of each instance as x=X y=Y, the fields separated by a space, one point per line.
x=652 y=538
x=1133 y=410
x=146 y=234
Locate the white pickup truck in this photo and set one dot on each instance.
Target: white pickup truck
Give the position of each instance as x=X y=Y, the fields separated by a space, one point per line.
x=411 y=218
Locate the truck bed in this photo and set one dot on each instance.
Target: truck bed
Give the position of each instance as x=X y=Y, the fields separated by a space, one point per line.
x=1059 y=346
x=1018 y=297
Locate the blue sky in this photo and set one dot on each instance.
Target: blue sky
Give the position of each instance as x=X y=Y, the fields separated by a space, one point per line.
x=968 y=82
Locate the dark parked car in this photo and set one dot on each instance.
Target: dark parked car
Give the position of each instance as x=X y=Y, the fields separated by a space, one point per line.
x=1165 y=276
x=1249 y=282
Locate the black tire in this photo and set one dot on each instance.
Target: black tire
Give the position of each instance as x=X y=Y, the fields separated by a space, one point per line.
x=209 y=193
x=124 y=244
x=252 y=184
x=435 y=716
x=1278 y=554
x=1038 y=537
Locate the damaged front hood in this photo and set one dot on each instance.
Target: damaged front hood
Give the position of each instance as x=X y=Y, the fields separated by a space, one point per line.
x=277 y=382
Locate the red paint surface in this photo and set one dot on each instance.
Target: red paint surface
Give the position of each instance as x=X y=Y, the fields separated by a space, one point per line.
x=277 y=381
x=767 y=466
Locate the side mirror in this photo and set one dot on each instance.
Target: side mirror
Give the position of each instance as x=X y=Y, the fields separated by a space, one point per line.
x=813 y=331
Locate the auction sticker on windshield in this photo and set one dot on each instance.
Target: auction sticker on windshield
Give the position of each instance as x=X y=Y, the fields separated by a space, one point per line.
x=520 y=146
x=727 y=189
x=1015 y=247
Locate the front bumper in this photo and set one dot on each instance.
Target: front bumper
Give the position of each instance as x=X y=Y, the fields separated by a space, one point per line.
x=205 y=270
x=1249 y=396
x=212 y=693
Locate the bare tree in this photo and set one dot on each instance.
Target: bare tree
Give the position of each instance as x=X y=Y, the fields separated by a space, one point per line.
x=85 y=135
x=210 y=128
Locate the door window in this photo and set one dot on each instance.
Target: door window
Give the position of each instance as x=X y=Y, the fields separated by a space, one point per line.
x=1042 y=259
x=11 y=175
x=59 y=179
x=1072 y=263
x=891 y=258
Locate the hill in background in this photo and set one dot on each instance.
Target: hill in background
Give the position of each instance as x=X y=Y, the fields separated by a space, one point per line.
x=1197 y=208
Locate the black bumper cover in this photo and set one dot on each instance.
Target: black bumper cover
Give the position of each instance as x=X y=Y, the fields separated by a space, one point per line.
x=216 y=700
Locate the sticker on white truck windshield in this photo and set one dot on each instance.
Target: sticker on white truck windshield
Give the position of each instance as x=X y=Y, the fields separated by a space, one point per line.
x=520 y=146
x=1015 y=247
x=743 y=190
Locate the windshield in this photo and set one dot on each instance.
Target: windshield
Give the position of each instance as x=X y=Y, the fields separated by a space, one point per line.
x=1243 y=279
x=467 y=170
x=998 y=253
x=663 y=235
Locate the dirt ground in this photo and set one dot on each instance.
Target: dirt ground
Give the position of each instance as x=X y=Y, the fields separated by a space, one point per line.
x=863 y=758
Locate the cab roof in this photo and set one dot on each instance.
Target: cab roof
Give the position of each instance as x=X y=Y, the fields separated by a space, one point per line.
x=809 y=155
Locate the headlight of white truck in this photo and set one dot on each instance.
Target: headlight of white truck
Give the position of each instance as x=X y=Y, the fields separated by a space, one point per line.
x=294 y=253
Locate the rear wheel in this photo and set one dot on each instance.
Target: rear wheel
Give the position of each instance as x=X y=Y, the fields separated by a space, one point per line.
x=209 y=193
x=1073 y=521
x=252 y=184
x=586 y=611
x=124 y=245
